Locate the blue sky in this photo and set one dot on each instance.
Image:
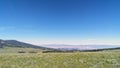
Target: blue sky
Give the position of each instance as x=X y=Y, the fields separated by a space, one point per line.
x=61 y=21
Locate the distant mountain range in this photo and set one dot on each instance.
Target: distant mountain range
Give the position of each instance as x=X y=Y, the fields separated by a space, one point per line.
x=15 y=43
x=80 y=47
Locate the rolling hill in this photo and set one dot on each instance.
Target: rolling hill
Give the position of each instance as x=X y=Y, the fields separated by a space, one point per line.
x=15 y=43
x=18 y=44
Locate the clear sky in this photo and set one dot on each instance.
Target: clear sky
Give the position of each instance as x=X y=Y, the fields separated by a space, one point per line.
x=61 y=21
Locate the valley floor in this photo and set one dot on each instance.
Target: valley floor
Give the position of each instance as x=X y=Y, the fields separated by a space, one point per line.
x=60 y=60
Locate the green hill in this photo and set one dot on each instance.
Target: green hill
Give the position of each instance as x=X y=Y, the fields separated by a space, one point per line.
x=15 y=43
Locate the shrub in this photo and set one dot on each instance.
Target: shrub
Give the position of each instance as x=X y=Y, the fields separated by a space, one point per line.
x=21 y=51
x=32 y=52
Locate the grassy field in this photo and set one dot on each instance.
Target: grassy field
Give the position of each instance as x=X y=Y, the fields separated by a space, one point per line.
x=10 y=58
x=17 y=49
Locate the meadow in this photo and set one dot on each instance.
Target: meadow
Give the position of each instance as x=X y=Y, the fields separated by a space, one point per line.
x=105 y=59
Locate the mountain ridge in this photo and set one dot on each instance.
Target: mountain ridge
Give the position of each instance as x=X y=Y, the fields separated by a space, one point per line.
x=57 y=47
x=15 y=43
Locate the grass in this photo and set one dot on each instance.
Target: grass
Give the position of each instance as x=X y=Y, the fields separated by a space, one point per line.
x=61 y=60
x=17 y=49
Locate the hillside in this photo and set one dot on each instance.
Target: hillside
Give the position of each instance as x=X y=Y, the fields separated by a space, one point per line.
x=15 y=43
x=57 y=48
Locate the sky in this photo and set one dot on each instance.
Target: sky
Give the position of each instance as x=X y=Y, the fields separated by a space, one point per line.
x=75 y=22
